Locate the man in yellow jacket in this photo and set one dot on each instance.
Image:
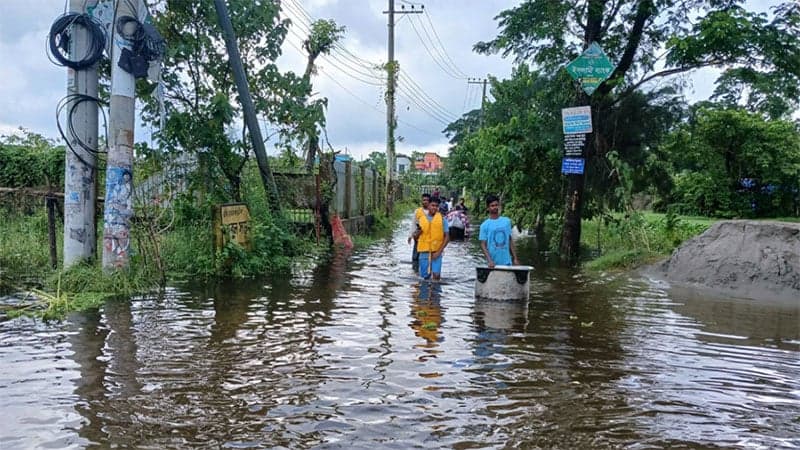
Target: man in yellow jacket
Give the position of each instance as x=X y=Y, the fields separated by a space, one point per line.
x=418 y=214
x=432 y=238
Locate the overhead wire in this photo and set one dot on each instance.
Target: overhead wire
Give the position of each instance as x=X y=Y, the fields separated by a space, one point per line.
x=419 y=103
x=348 y=59
x=429 y=99
x=430 y=114
x=445 y=69
x=337 y=49
x=299 y=9
x=358 y=98
x=442 y=47
x=423 y=99
x=376 y=82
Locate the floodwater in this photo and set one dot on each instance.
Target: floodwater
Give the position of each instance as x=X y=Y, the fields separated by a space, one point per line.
x=357 y=354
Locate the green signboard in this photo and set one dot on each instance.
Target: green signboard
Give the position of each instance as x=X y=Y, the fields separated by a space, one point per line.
x=591 y=68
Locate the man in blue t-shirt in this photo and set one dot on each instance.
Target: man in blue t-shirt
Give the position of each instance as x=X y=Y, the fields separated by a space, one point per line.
x=495 y=236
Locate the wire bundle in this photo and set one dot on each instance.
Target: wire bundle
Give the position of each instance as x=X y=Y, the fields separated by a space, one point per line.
x=147 y=45
x=61 y=35
x=70 y=103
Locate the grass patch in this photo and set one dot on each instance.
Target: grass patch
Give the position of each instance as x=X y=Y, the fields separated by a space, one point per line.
x=625 y=241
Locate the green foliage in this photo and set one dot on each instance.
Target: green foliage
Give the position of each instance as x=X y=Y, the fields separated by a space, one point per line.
x=629 y=240
x=761 y=55
x=376 y=161
x=632 y=113
x=30 y=161
x=712 y=153
x=24 y=254
x=91 y=279
x=203 y=115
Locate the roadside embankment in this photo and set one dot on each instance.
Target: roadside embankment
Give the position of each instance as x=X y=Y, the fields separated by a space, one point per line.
x=750 y=259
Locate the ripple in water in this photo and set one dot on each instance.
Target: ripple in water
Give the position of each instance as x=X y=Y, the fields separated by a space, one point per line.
x=358 y=353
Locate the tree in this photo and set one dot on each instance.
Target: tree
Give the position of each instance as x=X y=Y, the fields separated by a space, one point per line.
x=377 y=161
x=731 y=162
x=650 y=40
x=323 y=36
x=200 y=95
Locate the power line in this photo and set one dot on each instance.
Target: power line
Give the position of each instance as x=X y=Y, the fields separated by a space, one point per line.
x=301 y=13
x=426 y=102
x=378 y=83
x=446 y=70
x=415 y=101
x=441 y=45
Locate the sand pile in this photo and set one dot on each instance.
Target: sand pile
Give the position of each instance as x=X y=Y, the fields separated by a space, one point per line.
x=758 y=260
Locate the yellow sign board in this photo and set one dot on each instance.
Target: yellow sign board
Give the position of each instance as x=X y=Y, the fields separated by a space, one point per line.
x=232 y=221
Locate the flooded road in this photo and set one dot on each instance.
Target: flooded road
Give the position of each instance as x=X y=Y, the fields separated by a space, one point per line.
x=357 y=354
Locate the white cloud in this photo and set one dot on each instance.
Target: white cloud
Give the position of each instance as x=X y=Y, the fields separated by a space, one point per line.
x=356 y=118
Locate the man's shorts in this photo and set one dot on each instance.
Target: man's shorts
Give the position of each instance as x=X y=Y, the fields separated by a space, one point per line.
x=436 y=267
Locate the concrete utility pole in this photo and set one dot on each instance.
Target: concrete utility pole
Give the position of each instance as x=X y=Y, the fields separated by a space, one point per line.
x=391 y=73
x=247 y=105
x=391 y=120
x=118 y=207
x=483 y=96
x=80 y=166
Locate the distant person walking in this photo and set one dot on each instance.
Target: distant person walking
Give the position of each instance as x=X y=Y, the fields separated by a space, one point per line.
x=432 y=237
x=419 y=213
x=495 y=236
x=458 y=222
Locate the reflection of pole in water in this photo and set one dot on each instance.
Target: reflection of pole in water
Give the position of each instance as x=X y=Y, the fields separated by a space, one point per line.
x=87 y=351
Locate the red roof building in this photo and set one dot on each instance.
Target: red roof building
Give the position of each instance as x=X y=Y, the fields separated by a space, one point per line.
x=430 y=163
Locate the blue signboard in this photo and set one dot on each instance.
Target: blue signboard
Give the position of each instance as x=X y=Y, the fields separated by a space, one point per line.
x=576 y=120
x=572 y=165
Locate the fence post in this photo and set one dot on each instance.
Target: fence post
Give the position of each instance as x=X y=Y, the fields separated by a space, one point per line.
x=374 y=189
x=347 y=175
x=362 y=202
x=50 y=201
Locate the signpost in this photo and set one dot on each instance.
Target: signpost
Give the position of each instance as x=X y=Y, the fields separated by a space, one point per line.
x=573 y=144
x=591 y=68
x=572 y=165
x=236 y=217
x=576 y=120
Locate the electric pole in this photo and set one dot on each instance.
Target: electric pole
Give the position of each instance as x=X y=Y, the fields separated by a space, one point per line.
x=391 y=121
x=118 y=207
x=249 y=110
x=80 y=199
x=483 y=96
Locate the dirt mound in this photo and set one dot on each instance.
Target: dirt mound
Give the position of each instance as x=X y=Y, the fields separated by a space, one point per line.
x=758 y=260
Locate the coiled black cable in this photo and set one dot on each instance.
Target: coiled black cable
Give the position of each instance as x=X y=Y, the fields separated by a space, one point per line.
x=145 y=38
x=73 y=100
x=61 y=33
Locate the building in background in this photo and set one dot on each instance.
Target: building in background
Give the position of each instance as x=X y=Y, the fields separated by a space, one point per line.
x=429 y=164
x=402 y=164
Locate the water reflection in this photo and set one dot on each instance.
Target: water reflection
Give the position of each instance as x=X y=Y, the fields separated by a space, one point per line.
x=508 y=316
x=357 y=353
x=87 y=343
x=426 y=314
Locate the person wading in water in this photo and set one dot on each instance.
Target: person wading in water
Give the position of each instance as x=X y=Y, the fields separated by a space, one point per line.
x=432 y=238
x=495 y=236
x=419 y=213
